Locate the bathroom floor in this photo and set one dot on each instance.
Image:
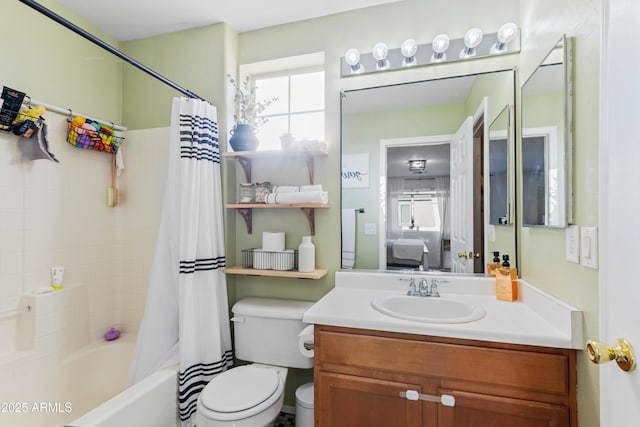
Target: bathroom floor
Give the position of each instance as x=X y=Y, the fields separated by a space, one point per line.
x=285 y=420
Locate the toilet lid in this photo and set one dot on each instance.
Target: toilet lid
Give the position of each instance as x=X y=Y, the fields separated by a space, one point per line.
x=239 y=388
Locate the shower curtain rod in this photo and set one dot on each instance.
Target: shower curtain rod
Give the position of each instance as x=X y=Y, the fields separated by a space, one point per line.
x=62 y=21
x=28 y=101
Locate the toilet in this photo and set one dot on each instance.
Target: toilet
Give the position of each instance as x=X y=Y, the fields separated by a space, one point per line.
x=266 y=334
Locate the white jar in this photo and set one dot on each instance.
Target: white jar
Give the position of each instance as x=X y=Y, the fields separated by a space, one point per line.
x=306 y=256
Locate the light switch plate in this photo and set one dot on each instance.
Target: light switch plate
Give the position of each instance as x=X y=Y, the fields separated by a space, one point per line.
x=589 y=247
x=370 y=229
x=572 y=243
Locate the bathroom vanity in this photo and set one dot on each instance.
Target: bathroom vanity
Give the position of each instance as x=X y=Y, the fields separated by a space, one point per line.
x=514 y=366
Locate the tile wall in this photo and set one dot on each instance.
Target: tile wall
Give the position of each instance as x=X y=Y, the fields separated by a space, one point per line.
x=55 y=214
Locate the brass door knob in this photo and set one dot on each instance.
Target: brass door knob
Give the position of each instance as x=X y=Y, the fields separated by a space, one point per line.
x=468 y=255
x=622 y=353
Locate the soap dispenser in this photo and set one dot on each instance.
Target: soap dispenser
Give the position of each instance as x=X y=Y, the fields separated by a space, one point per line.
x=493 y=266
x=506 y=281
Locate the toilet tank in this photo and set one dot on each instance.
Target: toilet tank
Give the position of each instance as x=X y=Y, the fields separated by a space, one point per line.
x=266 y=331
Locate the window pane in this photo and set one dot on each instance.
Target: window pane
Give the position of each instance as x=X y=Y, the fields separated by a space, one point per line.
x=269 y=133
x=307 y=92
x=273 y=87
x=308 y=126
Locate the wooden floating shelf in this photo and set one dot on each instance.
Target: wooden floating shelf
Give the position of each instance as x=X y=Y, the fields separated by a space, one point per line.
x=277 y=205
x=246 y=157
x=246 y=211
x=275 y=153
x=317 y=274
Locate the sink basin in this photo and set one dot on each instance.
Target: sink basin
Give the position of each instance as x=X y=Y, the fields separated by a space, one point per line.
x=428 y=309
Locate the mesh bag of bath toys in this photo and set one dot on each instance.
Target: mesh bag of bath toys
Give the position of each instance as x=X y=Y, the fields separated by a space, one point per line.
x=91 y=135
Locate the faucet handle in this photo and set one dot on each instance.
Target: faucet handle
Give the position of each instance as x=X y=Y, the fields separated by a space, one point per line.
x=434 y=287
x=412 y=286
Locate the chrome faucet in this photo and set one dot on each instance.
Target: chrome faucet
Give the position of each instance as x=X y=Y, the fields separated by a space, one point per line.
x=412 y=286
x=423 y=288
x=433 y=290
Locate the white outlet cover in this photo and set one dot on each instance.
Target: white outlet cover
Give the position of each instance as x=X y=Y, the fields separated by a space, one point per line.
x=572 y=243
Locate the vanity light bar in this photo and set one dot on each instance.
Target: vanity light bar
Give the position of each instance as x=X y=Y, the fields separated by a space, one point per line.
x=505 y=41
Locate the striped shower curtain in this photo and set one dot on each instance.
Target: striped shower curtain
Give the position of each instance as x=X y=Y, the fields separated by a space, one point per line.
x=186 y=318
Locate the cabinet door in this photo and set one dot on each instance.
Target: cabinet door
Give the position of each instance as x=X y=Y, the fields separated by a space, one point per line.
x=349 y=401
x=480 y=410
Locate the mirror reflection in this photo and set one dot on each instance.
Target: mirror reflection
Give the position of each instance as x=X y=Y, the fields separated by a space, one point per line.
x=546 y=143
x=416 y=167
x=499 y=144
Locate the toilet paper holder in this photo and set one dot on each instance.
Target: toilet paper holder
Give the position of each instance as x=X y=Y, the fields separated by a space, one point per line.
x=305 y=341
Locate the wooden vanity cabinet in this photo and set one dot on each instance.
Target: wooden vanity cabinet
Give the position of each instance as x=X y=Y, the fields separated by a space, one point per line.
x=360 y=374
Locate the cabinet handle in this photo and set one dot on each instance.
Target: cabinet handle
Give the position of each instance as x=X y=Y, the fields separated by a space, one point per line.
x=445 y=399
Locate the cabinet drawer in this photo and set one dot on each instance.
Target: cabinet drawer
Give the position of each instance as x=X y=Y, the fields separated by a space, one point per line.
x=519 y=369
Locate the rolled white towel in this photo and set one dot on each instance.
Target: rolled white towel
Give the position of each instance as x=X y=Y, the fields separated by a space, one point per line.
x=299 y=197
x=313 y=187
x=285 y=189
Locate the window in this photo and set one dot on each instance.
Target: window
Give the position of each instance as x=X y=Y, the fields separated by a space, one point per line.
x=418 y=212
x=298 y=110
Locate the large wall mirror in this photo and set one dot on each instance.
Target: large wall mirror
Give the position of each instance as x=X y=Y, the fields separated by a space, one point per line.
x=416 y=165
x=547 y=141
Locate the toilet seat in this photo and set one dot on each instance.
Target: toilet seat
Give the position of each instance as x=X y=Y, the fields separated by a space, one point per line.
x=240 y=392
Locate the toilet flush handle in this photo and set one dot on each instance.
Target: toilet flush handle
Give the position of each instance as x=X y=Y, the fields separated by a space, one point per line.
x=238 y=319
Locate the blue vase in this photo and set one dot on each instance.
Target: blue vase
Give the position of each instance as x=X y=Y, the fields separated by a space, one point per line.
x=243 y=138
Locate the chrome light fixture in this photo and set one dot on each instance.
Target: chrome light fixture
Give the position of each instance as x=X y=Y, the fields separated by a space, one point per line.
x=440 y=45
x=409 y=48
x=472 y=39
x=380 y=52
x=506 y=34
x=417 y=166
x=352 y=57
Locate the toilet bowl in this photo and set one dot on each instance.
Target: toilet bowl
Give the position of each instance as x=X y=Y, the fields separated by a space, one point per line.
x=246 y=396
x=266 y=332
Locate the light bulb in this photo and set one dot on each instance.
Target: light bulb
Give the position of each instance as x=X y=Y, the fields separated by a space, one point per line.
x=439 y=45
x=472 y=39
x=352 y=57
x=506 y=34
x=409 y=48
x=380 y=52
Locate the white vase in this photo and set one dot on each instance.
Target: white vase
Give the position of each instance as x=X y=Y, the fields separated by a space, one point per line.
x=306 y=256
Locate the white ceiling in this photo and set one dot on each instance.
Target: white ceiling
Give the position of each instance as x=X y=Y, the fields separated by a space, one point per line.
x=135 y=19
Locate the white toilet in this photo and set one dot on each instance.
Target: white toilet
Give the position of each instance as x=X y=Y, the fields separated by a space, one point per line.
x=266 y=333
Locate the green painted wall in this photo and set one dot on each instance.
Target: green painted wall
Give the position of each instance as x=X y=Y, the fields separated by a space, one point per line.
x=54 y=65
x=542 y=249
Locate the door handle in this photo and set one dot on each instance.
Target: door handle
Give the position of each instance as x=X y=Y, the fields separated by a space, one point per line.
x=468 y=255
x=622 y=353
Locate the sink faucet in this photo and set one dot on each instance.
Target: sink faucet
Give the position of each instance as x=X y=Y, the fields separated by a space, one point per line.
x=423 y=288
x=412 y=286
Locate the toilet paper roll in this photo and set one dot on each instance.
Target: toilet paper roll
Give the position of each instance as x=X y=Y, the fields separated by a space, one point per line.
x=261 y=259
x=305 y=341
x=273 y=241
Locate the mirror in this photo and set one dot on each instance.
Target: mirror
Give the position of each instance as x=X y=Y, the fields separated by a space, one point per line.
x=499 y=143
x=546 y=141
x=416 y=165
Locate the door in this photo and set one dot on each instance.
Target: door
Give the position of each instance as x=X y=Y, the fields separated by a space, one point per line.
x=348 y=401
x=619 y=207
x=461 y=198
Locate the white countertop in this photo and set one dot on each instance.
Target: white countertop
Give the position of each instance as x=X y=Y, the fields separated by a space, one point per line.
x=536 y=318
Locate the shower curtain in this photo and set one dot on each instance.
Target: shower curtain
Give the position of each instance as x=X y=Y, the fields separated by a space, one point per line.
x=186 y=317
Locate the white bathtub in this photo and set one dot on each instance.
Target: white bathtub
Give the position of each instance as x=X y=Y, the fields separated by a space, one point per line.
x=89 y=388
